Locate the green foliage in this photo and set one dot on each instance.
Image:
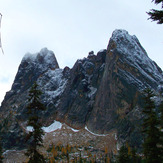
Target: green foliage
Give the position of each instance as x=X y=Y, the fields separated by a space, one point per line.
x=35 y=137
x=161 y=126
x=34 y=100
x=35 y=156
x=157 y=1
x=68 y=153
x=135 y=158
x=61 y=153
x=156 y=15
x=123 y=156
x=127 y=154
x=161 y=112
x=1 y=154
x=151 y=131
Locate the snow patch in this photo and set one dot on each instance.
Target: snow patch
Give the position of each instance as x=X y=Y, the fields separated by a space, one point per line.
x=74 y=130
x=92 y=91
x=115 y=136
x=7 y=151
x=91 y=55
x=29 y=128
x=118 y=147
x=94 y=133
x=53 y=127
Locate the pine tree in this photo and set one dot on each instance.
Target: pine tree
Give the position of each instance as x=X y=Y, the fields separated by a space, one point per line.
x=123 y=156
x=35 y=137
x=161 y=126
x=161 y=117
x=1 y=154
x=134 y=157
x=156 y=15
x=151 y=145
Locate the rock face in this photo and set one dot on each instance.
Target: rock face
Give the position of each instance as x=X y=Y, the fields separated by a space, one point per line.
x=78 y=98
x=101 y=92
x=128 y=70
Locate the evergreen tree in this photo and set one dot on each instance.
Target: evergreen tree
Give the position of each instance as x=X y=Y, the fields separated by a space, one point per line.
x=35 y=137
x=151 y=145
x=1 y=154
x=161 y=112
x=156 y=15
x=134 y=157
x=123 y=156
x=161 y=127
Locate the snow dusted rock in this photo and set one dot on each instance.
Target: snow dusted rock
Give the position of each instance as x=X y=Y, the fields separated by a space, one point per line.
x=31 y=68
x=130 y=51
x=52 y=83
x=78 y=97
x=43 y=60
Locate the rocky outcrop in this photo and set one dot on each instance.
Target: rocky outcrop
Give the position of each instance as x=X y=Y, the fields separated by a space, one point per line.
x=101 y=92
x=78 y=98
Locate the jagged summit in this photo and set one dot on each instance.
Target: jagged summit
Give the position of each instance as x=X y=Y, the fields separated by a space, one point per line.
x=131 y=51
x=45 y=57
x=31 y=68
x=127 y=44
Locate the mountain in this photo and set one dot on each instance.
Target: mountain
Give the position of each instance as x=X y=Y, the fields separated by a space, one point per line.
x=100 y=93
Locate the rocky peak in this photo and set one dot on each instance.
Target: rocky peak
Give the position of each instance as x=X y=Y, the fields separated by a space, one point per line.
x=118 y=101
x=45 y=59
x=129 y=46
x=128 y=50
x=31 y=68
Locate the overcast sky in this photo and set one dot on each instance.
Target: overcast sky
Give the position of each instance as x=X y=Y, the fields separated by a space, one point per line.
x=71 y=28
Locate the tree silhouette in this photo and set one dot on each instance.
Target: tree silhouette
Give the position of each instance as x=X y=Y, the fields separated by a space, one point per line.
x=152 y=134
x=123 y=156
x=156 y=15
x=35 y=136
x=1 y=153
